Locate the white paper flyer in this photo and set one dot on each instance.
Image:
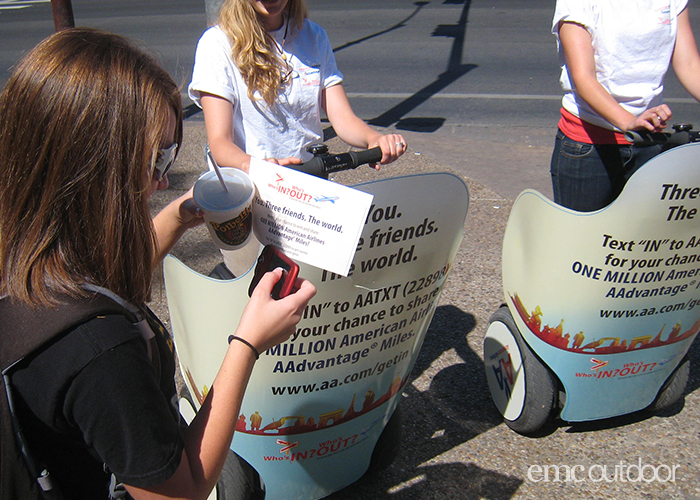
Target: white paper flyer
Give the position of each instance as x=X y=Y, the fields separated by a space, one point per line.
x=310 y=219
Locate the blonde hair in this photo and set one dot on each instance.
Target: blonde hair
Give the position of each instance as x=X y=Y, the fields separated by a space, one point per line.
x=83 y=116
x=253 y=49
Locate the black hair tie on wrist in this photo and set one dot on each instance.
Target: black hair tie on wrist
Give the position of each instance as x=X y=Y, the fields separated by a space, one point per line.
x=255 y=351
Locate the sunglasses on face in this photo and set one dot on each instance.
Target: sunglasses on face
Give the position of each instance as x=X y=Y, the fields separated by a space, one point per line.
x=164 y=161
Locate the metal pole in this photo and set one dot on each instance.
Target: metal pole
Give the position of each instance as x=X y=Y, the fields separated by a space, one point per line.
x=62 y=14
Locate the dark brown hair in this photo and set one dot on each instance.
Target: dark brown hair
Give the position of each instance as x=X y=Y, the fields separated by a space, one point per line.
x=83 y=116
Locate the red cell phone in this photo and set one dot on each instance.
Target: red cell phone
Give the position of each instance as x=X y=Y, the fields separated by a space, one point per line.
x=271 y=258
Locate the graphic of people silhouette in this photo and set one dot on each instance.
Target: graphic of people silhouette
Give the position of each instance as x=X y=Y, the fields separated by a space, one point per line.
x=255 y=421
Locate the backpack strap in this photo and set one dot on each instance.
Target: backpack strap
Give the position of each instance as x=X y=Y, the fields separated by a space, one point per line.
x=31 y=329
x=34 y=327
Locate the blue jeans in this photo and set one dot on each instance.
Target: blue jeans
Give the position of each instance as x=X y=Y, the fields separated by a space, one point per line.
x=587 y=177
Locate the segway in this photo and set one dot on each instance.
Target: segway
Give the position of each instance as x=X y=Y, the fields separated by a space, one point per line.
x=600 y=308
x=322 y=409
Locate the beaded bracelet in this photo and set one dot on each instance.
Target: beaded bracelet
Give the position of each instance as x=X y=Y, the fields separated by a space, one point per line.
x=255 y=351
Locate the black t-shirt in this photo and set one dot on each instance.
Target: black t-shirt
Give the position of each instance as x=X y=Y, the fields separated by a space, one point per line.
x=93 y=398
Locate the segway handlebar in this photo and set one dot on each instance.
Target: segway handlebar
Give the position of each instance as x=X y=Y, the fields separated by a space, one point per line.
x=683 y=134
x=324 y=163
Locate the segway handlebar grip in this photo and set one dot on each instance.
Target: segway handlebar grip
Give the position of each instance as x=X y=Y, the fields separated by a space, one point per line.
x=312 y=167
x=646 y=138
x=323 y=164
x=373 y=155
x=678 y=138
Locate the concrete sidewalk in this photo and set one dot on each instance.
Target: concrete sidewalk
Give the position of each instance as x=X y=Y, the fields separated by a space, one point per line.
x=455 y=445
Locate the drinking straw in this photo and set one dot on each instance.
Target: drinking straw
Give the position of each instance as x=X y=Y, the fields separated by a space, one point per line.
x=216 y=169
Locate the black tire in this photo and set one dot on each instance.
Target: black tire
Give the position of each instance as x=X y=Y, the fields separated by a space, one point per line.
x=388 y=445
x=540 y=382
x=673 y=388
x=239 y=480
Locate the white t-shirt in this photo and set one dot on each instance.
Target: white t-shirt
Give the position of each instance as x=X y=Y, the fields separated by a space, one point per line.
x=633 y=42
x=294 y=121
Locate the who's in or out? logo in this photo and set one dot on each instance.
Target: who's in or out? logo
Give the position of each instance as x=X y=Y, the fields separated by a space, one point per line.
x=328 y=447
x=504 y=371
x=298 y=192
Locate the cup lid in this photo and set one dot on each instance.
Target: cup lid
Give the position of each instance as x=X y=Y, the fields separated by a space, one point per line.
x=210 y=195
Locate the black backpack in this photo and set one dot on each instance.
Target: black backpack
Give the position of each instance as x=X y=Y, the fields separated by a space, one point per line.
x=26 y=329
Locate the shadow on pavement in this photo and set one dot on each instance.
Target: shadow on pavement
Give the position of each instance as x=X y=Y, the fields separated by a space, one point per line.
x=454 y=71
x=455 y=408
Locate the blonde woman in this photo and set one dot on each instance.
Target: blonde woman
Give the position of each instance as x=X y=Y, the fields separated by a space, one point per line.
x=262 y=76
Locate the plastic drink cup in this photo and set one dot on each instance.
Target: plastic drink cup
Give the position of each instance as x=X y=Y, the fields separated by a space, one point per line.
x=228 y=214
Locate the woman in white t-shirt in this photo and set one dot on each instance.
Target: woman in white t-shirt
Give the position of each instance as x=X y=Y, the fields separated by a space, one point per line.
x=614 y=55
x=262 y=76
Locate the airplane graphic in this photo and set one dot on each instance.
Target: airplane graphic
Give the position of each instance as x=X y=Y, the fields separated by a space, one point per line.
x=598 y=364
x=327 y=198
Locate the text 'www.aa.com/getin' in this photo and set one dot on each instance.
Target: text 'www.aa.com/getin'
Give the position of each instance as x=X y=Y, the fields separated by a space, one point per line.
x=621 y=473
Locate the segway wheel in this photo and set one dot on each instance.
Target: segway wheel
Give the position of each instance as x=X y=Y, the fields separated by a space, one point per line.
x=522 y=387
x=673 y=388
x=387 y=448
x=238 y=481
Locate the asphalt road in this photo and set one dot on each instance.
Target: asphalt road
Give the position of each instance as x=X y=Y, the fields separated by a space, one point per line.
x=441 y=72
